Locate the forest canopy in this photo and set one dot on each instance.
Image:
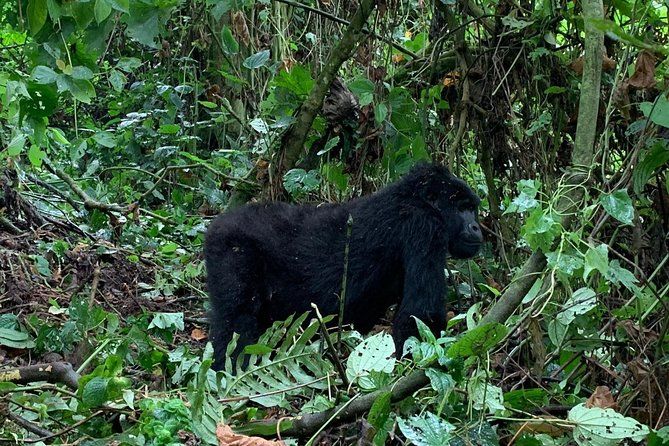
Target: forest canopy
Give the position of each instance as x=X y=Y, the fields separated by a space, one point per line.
x=126 y=126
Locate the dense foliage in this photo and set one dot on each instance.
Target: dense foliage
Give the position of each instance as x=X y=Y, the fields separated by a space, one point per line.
x=126 y=124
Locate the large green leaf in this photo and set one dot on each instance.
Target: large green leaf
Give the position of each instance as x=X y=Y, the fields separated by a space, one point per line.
x=81 y=89
x=603 y=427
x=256 y=60
x=478 y=341
x=374 y=354
x=426 y=430
x=15 y=339
x=658 y=111
x=37 y=12
x=655 y=157
x=44 y=75
x=619 y=206
x=102 y=10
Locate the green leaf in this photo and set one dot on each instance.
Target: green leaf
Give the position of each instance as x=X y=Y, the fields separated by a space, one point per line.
x=80 y=89
x=478 y=341
x=659 y=437
x=603 y=427
x=615 y=30
x=657 y=111
x=596 y=259
x=44 y=75
x=657 y=156
x=378 y=416
x=128 y=64
x=298 y=80
x=426 y=430
x=81 y=72
x=485 y=395
x=372 y=354
x=167 y=320
x=564 y=263
x=15 y=339
x=256 y=60
x=95 y=392
x=619 y=206
x=36 y=155
x=120 y=5
x=117 y=80
x=37 y=12
x=105 y=139
x=540 y=229
x=208 y=104
x=617 y=274
x=526 y=399
x=441 y=381
x=257 y=349
x=332 y=142
x=102 y=10
x=16 y=145
x=380 y=112
x=363 y=88
x=169 y=129
x=582 y=301
x=230 y=44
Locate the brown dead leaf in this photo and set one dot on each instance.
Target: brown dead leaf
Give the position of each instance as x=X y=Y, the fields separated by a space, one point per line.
x=198 y=334
x=577 y=65
x=602 y=398
x=608 y=64
x=621 y=99
x=644 y=71
x=398 y=58
x=240 y=28
x=287 y=64
x=451 y=78
x=226 y=437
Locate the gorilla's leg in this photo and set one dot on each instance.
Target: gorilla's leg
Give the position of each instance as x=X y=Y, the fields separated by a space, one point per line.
x=233 y=279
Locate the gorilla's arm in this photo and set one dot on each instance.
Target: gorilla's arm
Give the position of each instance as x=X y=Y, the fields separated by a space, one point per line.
x=423 y=294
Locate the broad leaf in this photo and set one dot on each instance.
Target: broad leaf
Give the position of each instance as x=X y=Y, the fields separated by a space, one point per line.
x=619 y=206
x=374 y=354
x=426 y=430
x=478 y=341
x=602 y=427
x=257 y=60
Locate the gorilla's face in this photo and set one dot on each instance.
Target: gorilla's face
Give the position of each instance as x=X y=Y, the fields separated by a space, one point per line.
x=458 y=206
x=468 y=237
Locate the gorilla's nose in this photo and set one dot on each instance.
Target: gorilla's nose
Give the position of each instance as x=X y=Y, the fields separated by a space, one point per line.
x=475 y=231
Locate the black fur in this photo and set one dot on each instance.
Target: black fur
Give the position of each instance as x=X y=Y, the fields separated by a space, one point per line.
x=268 y=261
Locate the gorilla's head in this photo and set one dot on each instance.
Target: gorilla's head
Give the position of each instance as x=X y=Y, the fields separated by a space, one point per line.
x=454 y=203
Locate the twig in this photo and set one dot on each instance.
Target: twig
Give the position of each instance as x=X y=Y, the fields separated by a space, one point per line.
x=331 y=348
x=27 y=425
x=66 y=430
x=344 y=281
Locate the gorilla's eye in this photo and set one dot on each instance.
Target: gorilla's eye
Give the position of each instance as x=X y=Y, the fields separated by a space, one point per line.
x=466 y=206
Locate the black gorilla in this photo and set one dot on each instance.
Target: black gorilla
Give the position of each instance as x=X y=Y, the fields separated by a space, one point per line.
x=268 y=261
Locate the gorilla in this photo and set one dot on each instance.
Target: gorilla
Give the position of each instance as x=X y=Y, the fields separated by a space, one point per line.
x=267 y=261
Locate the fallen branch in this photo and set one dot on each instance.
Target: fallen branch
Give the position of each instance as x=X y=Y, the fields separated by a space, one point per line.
x=308 y=424
x=89 y=203
x=54 y=372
